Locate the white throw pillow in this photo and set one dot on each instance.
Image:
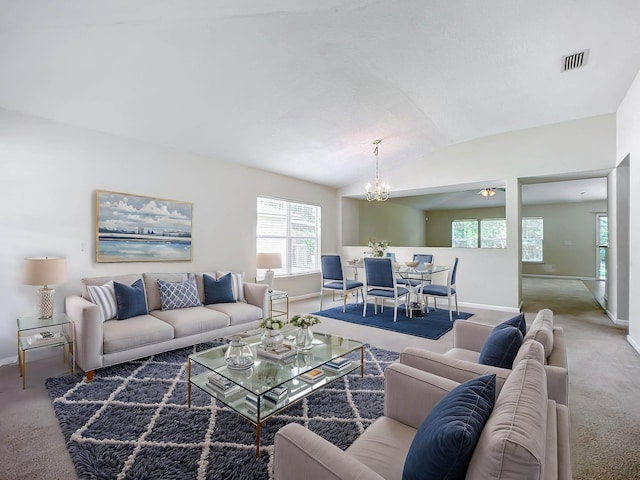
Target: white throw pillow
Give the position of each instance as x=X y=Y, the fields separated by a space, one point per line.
x=104 y=296
x=237 y=281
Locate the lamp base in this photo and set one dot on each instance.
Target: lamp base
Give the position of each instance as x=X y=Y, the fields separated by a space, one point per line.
x=46 y=296
x=268 y=279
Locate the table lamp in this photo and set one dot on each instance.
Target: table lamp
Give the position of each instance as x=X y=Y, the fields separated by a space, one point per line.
x=45 y=271
x=268 y=260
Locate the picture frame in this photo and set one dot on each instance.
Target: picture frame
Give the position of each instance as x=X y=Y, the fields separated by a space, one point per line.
x=136 y=228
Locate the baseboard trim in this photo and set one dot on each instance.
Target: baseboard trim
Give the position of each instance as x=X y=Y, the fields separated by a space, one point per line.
x=559 y=277
x=8 y=361
x=635 y=346
x=497 y=308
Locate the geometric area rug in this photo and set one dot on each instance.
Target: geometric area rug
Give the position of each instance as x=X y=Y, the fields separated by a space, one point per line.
x=132 y=420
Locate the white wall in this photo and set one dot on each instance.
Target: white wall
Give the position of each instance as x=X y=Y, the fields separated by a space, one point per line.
x=50 y=173
x=628 y=144
x=583 y=145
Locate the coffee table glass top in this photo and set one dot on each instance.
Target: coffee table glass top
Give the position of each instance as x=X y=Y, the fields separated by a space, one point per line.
x=265 y=373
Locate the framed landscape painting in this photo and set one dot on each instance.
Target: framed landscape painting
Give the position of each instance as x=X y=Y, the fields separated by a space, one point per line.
x=133 y=228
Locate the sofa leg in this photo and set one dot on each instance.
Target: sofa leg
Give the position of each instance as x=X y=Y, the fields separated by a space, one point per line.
x=90 y=375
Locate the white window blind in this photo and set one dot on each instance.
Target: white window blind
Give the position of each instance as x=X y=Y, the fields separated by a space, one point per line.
x=293 y=230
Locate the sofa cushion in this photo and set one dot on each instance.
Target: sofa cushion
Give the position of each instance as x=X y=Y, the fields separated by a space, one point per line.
x=541 y=330
x=179 y=294
x=383 y=446
x=127 y=279
x=131 y=299
x=120 y=335
x=154 y=301
x=518 y=321
x=530 y=349
x=238 y=312
x=237 y=284
x=104 y=296
x=445 y=441
x=193 y=320
x=513 y=442
x=501 y=347
x=218 y=291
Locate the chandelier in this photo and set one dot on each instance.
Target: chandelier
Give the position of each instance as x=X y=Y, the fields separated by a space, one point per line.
x=380 y=191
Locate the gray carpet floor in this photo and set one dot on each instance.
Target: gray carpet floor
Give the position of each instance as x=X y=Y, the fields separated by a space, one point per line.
x=604 y=374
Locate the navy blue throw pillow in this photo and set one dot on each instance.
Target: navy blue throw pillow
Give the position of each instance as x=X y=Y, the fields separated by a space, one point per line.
x=501 y=347
x=218 y=291
x=131 y=300
x=518 y=321
x=445 y=441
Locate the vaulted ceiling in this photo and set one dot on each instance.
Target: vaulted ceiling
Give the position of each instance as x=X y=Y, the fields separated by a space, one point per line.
x=302 y=87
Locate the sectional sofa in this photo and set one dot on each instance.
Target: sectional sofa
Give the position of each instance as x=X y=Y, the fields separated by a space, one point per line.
x=164 y=311
x=525 y=437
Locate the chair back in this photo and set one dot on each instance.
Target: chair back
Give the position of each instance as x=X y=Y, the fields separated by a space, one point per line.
x=454 y=270
x=391 y=255
x=423 y=258
x=379 y=272
x=331 y=267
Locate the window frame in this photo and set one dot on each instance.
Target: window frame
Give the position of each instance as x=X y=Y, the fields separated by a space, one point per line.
x=290 y=237
x=541 y=240
x=466 y=220
x=481 y=230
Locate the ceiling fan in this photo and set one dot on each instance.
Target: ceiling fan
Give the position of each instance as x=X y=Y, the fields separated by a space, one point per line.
x=489 y=192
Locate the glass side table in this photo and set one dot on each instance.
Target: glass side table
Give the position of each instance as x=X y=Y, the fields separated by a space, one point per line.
x=279 y=295
x=34 y=332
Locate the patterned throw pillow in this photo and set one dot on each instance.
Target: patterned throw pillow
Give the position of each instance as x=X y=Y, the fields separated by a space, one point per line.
x=179 y=295
x=104 y=297
x=237 y=280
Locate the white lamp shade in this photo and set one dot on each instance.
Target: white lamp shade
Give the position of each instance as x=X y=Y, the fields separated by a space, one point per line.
x=268 y=260
x=45 y=270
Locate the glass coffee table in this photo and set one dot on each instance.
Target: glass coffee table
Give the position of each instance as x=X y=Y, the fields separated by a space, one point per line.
x=252 y=390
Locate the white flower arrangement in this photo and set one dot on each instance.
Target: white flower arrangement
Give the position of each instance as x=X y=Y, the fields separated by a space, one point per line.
x=272 y=324
x=378 y=248
x=305 y=321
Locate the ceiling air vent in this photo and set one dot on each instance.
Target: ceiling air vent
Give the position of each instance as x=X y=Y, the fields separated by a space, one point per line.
x=576 y=60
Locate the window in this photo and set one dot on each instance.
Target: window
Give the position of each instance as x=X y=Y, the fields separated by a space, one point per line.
x=464 y=233
x=532 y=239
x=493 y=233
x=293 y=229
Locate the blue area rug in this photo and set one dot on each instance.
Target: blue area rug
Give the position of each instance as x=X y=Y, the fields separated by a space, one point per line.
x=132 y=420
x=432 y=325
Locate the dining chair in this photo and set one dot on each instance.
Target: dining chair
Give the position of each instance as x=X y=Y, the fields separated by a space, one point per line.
x=391 y=255
x=414 y=283
x=333 y=279
x=381 y=283
x=441 y=291
x=422 y=258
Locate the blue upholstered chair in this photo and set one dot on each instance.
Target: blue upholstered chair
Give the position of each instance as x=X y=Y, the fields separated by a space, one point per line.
x=391 y=255
x=381 y=283
x=442 y=291
x=422 y=258
x=333 y=279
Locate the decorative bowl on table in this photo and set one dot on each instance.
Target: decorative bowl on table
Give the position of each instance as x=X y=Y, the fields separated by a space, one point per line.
x=428 y=265
x=411 y=264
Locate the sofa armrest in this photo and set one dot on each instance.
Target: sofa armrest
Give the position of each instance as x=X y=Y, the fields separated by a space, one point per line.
x=87 y=322
x=558 y=355
x=564 y=443
x=410 y=394
x=557 y=384
x=257 y=294
x=470 y=335
x=300 y=453
x=449 y=367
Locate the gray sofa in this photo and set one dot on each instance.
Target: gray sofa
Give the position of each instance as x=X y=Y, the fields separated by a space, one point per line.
x=101 y=343
x=461 y=362
x=525 y=437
